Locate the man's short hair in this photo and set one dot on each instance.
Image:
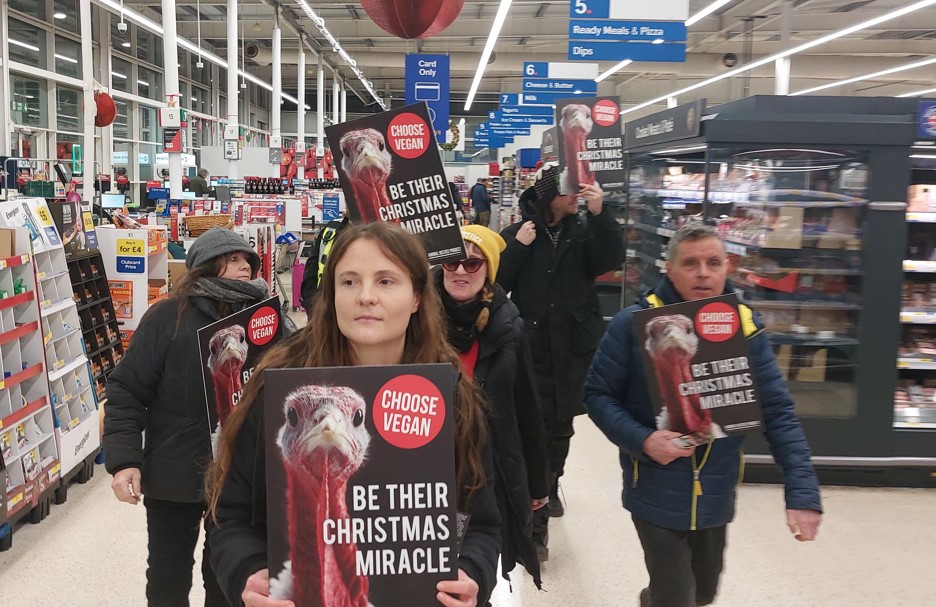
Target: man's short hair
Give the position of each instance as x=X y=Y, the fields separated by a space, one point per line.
x=203 y=173
x=481 y=179
x=691 y=232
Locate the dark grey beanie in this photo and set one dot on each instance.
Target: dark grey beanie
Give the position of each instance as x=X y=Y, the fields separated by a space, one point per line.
x=219 y=241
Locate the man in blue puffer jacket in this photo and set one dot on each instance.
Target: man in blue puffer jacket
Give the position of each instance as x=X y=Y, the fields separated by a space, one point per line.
x=681 y=500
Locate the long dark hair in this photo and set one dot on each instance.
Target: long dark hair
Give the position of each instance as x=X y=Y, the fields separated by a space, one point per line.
x=321 y=344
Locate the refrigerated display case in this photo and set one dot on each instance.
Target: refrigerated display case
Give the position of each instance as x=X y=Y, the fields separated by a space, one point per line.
x=810 y=196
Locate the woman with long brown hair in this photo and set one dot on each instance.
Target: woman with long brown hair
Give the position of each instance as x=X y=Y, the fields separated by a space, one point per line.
x=377 y=306
x=157 y=391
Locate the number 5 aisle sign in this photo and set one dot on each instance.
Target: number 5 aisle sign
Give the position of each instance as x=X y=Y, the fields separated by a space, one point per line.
x=636 y=10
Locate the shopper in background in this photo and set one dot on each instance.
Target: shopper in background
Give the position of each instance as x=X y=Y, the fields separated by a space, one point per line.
x=549 y=269
x=481 y=201
x=375 y=271
x=681 y=501
x=315 y=264
x=486 y=330
x=199 y=184
x=157 y=391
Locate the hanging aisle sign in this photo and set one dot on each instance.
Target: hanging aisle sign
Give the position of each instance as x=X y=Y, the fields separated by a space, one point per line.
x=627 y=31
x=567 y=71
x=427 y=79
x=635 y=10
x=669 y=52
x=639 y=31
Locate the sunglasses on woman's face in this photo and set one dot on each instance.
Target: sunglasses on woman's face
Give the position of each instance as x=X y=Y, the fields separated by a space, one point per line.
x=471 y=265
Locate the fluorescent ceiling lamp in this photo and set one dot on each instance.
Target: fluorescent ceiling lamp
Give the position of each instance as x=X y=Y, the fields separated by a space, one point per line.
x=926 y=156
x=789 y=52
x=705 y=12
x=125 y=44
x=142 y=82
x=132 y=15
x=892 y=70
x=488 y=49
x=60 y=15
x=620 y=65
x=337 y=48
x=918 y=93
x=119 y=75
x=64 y=58
x=15 y=42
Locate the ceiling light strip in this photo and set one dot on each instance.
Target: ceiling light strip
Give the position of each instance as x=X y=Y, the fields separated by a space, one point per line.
x=918 y=93
x=488 y=49
x=893 y=70
x=705 y=12
x=787 y=53
x=154 y=27
x=336 y=47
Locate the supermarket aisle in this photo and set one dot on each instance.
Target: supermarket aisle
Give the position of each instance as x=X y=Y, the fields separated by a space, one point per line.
x=875 y=549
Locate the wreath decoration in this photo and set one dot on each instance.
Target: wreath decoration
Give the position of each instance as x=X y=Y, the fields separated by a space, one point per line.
x=450 y=145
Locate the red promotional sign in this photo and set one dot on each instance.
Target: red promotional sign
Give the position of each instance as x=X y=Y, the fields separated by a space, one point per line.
x=409 y=411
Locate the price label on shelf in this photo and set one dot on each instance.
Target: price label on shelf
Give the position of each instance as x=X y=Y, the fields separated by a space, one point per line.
x=45 y=218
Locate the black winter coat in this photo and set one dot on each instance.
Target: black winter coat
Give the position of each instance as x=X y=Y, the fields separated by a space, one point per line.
x=157 y=389
x=238 y=537
x=554 y=289
x=504 y=371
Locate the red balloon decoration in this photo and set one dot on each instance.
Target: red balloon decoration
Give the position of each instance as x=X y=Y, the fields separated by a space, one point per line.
x=413 y=18
x=106 y=109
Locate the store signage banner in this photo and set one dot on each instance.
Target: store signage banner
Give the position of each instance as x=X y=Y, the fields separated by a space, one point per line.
x=563 y=71
x=229 y=349
x=681 y=122
x=549 y=99
x=702 y=381
x=120 y=158
x=509 y=130
x=331 y=207
x=671 y=52
x=927 y=123
x=510 y=99
x=525 y=110
x=427 y=79
x=380 y=498
x=390 y=169
x=576 y=87
x=590 y=144
x=521 y=120
x=636 y=10
x=131 y=253
x=627 y=31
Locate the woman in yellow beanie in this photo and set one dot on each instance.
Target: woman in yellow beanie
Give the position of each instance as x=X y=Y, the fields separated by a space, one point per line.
x=485 y=328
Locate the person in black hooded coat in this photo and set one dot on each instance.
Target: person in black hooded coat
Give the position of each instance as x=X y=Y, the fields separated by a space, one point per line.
x=549 y=270
x=485 y=327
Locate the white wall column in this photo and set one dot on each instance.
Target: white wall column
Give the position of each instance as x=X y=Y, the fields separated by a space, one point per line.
x=232 y=90
x=6 y=95
x=87 y=71
x=171 y=63
x=104 y=76
x=320 y=115
x=782 y=66
x=277 y=101
x=300 y=110
x=336 y=93
x=344 y=101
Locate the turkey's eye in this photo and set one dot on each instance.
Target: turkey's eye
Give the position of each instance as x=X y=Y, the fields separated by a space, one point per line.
x=346 y=151
x=358 y=418
x=243 y=338
x=380 y=146
x=292 y=417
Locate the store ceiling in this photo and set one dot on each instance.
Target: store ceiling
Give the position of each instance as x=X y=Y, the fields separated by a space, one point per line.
x=537 y=30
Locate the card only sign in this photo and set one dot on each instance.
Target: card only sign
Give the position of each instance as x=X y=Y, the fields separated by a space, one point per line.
x=698 y=367
x=390 y=169
x=590 y=145
x=427 y=79
x=361 y=495
x=229 y=350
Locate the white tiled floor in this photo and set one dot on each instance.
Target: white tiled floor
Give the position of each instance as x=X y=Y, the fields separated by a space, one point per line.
x=877 y=548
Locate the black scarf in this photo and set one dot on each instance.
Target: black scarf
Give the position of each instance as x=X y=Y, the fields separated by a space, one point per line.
x=237 y=294
x=466 y=320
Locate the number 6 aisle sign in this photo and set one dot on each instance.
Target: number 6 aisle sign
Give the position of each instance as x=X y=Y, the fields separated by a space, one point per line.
x=658 y=10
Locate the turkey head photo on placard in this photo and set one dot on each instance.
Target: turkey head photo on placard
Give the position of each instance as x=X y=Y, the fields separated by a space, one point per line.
x=227 y=355
x=576 y=124
x=671 y=343
x=323 y=443
x=367 y=162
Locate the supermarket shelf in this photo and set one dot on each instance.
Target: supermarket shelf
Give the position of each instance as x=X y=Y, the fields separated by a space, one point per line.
x=657 y=262
x=63 y=336
x=802 y=305
x=73 y=365
x=665 y=232
x=911 y=265
x=14 y=261
x=808 y=271
x=911 y=425
x=52 y=308
x=18 y=332
x=85 y=306
x=921 y=217
x=27 y=411
x=916 y=363
x=918 y=318
x=18 y=378
x=107 y=347
x=16 y=300
x=811 y=340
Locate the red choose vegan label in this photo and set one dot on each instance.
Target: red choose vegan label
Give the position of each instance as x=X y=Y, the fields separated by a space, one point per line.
x=408 y=135
x=409 y=411
x=263 y=325
x=605 y=112
x=717 y=322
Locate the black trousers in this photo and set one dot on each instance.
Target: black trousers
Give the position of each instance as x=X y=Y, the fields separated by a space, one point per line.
x=684 y=566
x=558 y=438
x=173 y=529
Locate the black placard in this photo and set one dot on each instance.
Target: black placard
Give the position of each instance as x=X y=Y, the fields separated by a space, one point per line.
x=390 y=169
x=681 y=122
x=365 y=449
x=590 y=146
x=549 y=149
x=698 y=367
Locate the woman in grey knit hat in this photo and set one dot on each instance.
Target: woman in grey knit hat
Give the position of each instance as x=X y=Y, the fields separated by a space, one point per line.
x=158 y=391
